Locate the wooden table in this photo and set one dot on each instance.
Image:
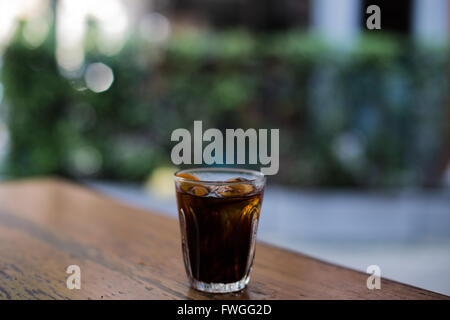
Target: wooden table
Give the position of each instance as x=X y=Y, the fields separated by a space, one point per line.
x=127 y=253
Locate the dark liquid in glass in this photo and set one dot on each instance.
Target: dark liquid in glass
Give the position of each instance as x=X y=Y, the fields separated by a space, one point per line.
x=218 y=234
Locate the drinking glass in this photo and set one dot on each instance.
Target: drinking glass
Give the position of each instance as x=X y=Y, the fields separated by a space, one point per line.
x=218 y=210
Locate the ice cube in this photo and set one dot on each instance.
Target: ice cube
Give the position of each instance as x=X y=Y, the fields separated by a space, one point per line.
x=199 y=191
x=234 y=189
x=185 y=186
x=187 y=176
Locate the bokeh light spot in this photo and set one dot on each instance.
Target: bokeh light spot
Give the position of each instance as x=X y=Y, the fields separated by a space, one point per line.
x=85 y=161
x=155 y=27
x=99 y=77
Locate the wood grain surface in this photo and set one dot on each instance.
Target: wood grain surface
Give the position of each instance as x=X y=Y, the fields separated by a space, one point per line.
x=127 y=253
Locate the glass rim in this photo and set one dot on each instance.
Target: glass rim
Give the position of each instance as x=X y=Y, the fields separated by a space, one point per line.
x=257 y=176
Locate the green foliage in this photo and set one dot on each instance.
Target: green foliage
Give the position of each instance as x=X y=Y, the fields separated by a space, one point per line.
x=346 y=118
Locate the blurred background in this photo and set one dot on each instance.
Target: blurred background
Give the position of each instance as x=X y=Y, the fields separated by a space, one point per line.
x=92 y=90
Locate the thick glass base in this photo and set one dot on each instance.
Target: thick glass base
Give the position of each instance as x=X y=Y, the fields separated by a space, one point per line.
x=220 y=287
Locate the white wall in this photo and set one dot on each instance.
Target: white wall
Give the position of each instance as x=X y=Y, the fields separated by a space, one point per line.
x=337 y=21
x=430 y=20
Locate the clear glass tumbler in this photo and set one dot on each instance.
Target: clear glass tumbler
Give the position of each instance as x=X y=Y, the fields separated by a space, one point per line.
x=219 y=210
